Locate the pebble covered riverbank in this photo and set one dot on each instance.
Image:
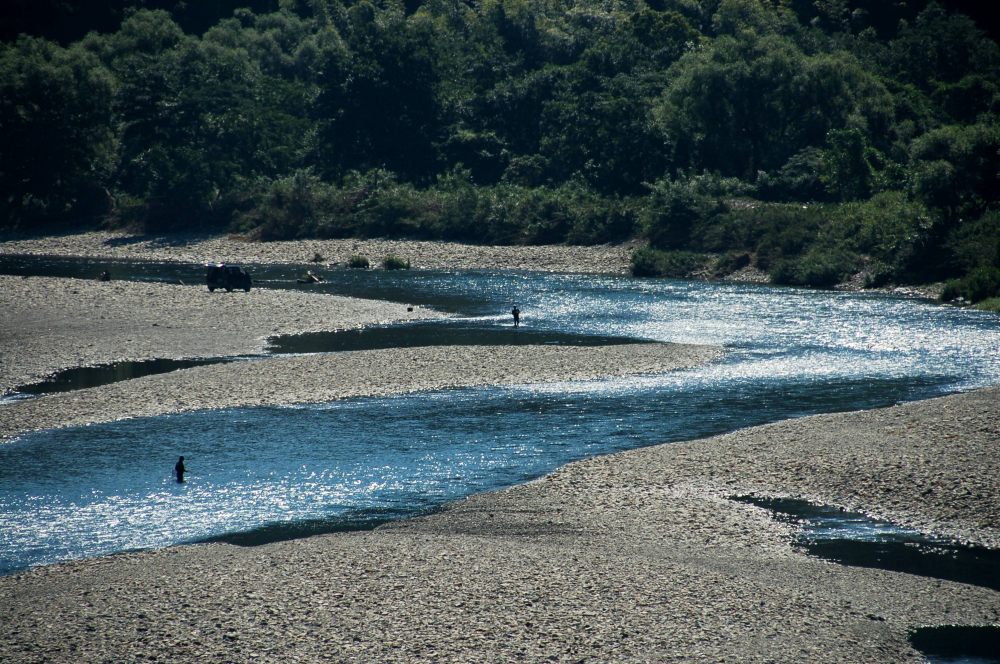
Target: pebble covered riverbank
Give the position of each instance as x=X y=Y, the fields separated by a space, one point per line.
x=603 y=259
x=52 y=324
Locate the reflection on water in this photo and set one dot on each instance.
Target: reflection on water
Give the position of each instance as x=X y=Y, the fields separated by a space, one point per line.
x=93 y=490
x=109 y=487
x=855 y=539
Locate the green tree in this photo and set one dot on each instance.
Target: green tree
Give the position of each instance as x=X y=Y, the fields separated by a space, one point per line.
x=189 y=120
x=675 y=208
x=956 y=167
x=942 y=48
x=378 y=104
x=749 y=104
x=849 y=165
x=56 y=134
x=601 y=131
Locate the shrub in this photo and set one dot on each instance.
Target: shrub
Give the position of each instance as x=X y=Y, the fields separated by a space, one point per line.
x=394 y=262
x=980 y=284
x=989 y=304
x=976 y=243
x=879 y=274
x=673 y=210
x=890 y=228
x=647 y=262
x=358 y=262
x=731 y=262
x=772 y=231
x=820 y=267
x=286 y=208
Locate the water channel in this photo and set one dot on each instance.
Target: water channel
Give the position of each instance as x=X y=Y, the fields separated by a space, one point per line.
x=265 y=473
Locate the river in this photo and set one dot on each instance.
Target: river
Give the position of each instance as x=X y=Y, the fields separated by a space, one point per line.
x=266 y=473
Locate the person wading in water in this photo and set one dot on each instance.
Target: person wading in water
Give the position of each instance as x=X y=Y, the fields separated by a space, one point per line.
x=516 y=313
x=180 y=470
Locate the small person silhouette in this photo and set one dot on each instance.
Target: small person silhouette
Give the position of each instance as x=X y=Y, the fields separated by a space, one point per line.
x=180 y=470
x=516 y=313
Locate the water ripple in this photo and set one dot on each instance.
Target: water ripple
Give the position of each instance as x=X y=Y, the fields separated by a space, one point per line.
x=100 y=489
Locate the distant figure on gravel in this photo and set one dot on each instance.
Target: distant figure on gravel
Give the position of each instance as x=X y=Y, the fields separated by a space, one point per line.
x=516 y=313
x=180 y=470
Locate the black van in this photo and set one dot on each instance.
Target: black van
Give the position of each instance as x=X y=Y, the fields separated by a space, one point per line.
x=230 y=277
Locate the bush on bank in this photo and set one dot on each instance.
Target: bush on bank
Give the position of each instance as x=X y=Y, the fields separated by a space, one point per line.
x=377 y=204
x=648 y=262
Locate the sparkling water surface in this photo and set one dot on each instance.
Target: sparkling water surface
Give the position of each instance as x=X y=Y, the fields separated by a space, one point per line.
x=105 y=488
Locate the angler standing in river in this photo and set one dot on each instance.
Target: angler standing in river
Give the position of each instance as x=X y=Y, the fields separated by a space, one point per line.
x=180 y=470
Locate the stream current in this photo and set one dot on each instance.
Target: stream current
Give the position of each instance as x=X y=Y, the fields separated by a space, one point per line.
x=260 y=474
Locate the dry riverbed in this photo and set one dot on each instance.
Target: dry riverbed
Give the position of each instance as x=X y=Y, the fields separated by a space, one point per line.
x=51 y=324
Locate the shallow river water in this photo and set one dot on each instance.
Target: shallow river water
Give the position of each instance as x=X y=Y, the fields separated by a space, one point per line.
x=263 y=473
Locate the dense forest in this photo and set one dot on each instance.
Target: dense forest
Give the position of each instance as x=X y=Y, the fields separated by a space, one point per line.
x=813 y=139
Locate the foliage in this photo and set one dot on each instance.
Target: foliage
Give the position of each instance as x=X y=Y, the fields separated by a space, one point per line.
x=770 y=232
x=731 y=262
x=675 y=208
x=890 y=229
x=813 y=139
x=980 y=284
x=358 y=262
x=817 y=268
x=57 y=141
x=286 y=208
x=975 y=243
x=394 y=262
x=747 y=104
x=991 y=304
x=648 y=262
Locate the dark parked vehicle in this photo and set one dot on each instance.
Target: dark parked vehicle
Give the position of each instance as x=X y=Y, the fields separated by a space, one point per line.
x=230 y=277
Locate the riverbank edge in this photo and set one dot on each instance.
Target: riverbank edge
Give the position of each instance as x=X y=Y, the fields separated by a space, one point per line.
x=610 y=259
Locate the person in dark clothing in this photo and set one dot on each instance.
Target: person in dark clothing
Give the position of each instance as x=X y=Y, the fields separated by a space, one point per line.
x=180 y=470
x=516 y=313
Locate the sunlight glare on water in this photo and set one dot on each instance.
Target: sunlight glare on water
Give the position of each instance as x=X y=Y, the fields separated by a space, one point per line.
x=94 y=490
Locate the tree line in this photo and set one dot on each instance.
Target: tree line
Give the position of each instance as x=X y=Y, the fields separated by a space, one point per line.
x=814 y=139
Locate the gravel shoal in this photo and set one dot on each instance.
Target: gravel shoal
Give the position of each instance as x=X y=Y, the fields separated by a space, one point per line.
x=285 y=380
x=604 y=259
x=635 y=557
x=51 y=324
